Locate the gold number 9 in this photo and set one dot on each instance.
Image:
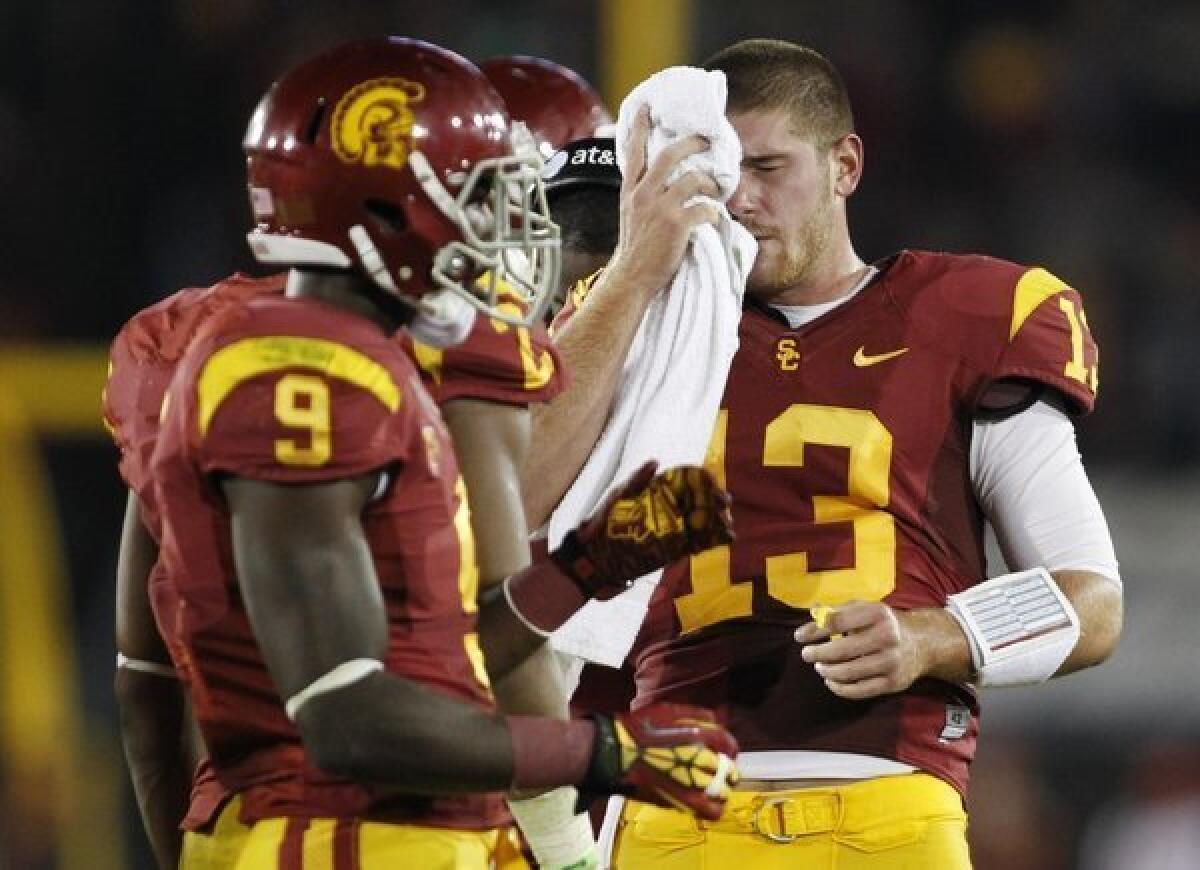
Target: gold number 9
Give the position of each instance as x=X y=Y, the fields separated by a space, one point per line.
x=302 y=402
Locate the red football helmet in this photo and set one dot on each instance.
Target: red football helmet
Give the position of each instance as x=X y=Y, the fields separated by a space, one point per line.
x=555 y=103
x=395 y=156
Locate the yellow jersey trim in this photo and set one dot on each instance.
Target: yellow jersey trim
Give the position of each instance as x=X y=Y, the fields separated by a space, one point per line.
x=250 y=357
x=1034 y=288
x=429 y=360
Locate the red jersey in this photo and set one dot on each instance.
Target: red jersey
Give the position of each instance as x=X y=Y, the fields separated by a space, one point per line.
x=142 y=361
x=296 y=391
x=497 y=362
x=845 y=444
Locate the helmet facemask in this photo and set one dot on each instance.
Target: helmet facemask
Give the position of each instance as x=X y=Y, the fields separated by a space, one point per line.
x=509 y=250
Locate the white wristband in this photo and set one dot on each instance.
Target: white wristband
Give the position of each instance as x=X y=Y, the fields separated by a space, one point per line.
x=144 y=667
x=533 y=629
x=557 y=835
x=345 y=674
x=1021 y=627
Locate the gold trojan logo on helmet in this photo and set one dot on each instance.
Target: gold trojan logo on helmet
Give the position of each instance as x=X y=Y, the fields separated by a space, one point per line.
x=372 y=123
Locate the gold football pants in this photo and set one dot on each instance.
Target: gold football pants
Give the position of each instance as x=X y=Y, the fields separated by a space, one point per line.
x=909 y=822
x=344 y=844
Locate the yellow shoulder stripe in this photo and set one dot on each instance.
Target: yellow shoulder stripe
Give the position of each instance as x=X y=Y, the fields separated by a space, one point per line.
x=429 y=360
x=251 y=357
x=1034 y=288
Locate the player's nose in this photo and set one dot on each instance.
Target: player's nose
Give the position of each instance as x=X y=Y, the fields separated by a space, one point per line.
x=741 y=203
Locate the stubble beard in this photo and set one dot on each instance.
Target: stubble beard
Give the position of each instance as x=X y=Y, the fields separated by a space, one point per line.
x=800 y=258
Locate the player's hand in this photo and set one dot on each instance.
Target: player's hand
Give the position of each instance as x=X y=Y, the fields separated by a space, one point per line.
x=652 y=520
x=865 y=649
x=655 y=221
x=671 y=755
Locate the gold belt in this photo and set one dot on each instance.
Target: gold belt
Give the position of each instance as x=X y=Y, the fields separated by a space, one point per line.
x=781 y=817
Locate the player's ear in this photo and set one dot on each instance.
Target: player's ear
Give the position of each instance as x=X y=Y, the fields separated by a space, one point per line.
x=846 y=155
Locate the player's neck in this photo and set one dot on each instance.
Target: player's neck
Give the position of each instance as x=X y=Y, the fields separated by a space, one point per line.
x=340 y=289
x=837 y=276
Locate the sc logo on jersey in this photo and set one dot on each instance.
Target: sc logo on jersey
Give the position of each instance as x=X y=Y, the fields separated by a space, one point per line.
x=786 y=354
x=373 y=124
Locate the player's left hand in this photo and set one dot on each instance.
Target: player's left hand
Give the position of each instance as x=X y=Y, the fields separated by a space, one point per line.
x=865 y=649
x=651 y=520
x=671 y=755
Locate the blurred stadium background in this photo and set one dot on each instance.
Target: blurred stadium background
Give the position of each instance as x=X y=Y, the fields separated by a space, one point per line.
x=1057 y=133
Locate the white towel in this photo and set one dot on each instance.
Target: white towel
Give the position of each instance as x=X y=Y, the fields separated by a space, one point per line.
x=674 y=375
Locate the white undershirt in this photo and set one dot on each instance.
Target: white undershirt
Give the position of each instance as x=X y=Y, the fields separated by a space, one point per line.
x=1028 y=476
x=798 y=315
x=1029 y=479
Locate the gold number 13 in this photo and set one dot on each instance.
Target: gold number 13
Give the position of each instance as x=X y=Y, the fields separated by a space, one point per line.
x=716 y=596
x=1075 y=367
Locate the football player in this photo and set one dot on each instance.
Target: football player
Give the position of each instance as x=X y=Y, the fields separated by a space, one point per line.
x=582 y=186
x=874 y=418
x=573 y=130
x=554 y=103
x=483 y=387
x=161 y=744
x=497 y=372
x=313 y=522
x=485 y=399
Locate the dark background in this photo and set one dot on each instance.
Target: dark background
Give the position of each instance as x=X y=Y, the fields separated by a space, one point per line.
x=1061 y=134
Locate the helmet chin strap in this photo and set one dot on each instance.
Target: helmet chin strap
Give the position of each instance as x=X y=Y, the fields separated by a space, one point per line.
x=372 y=261
x=443 y=318
x=501 y=254
x=433 y=188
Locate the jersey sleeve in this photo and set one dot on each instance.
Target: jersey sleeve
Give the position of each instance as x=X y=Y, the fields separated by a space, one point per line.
x=133 y=396
x=498 y=362
x=118 y=399
x=143 y=359
x=1049 y=341
x=297 y=410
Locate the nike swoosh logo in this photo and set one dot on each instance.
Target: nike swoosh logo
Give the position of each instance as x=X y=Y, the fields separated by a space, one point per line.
x=862 y=359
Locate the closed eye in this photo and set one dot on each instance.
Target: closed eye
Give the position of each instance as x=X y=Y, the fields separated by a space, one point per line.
x=763 y=164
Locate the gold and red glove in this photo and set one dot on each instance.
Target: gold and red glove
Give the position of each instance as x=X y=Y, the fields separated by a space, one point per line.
x=671 y=755
x=654 y=519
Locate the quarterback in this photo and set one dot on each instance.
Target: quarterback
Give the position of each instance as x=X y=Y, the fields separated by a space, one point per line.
x=875 y=417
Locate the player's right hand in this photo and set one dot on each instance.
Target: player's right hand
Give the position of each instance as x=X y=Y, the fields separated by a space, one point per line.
x=671 y=755
x=653 y=519
x=656 y=221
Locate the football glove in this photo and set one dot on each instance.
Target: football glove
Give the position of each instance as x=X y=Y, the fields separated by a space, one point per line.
x=671 y=755
x=653 y=519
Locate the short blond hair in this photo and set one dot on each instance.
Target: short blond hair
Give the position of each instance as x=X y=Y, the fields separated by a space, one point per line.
x=774 y=74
